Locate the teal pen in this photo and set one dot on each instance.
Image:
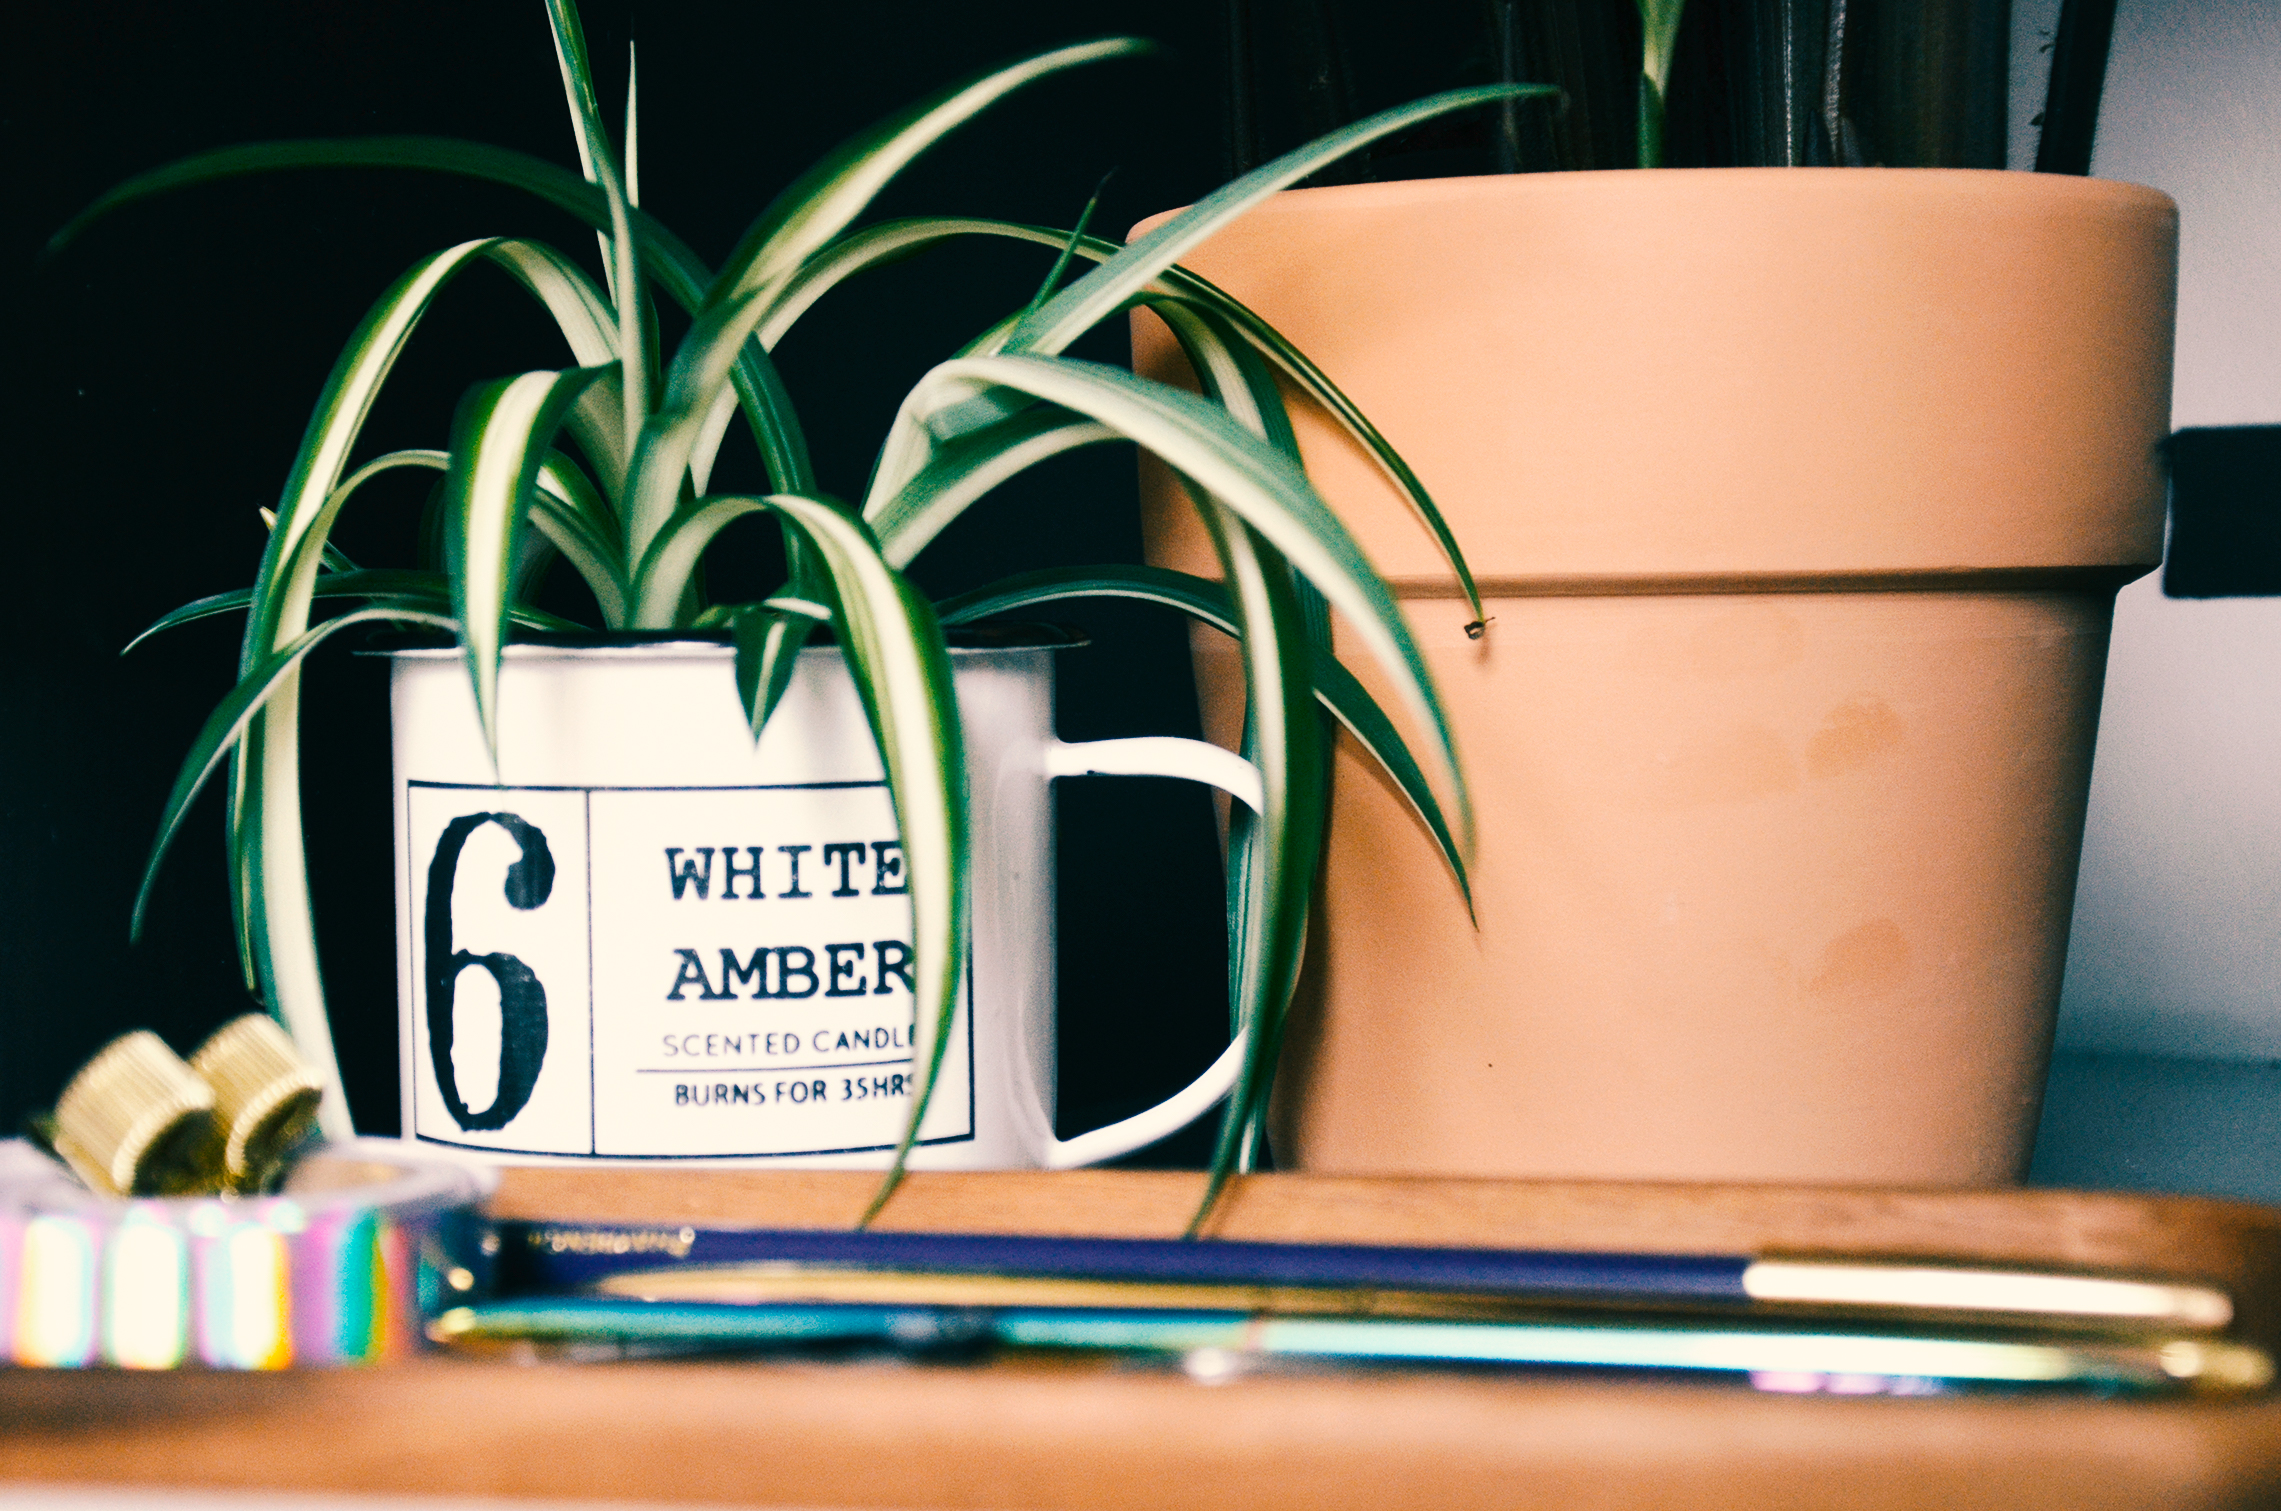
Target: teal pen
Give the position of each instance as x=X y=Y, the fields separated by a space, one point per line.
x=1774 y=1358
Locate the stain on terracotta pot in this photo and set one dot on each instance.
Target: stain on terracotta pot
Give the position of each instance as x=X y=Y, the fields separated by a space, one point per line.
x=1852 y=736
x=1863 y=963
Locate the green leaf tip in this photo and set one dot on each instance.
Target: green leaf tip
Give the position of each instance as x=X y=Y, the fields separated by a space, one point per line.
x=501 y=438
x=1102 y=292
x=827 y=198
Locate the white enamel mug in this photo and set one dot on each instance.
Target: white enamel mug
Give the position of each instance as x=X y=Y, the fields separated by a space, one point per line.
x=647 y=940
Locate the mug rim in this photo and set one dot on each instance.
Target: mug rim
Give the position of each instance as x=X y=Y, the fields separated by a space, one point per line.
x=420 y=644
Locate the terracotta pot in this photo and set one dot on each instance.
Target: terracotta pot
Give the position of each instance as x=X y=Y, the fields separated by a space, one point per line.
x=1800 y=498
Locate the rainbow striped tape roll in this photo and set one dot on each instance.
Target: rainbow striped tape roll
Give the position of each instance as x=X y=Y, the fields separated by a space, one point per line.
x=340 y=1269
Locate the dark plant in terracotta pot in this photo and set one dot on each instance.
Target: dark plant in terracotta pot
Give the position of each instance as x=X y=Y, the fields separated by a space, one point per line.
x=1797 y=497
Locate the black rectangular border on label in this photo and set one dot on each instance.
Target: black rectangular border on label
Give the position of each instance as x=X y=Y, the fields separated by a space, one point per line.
x=594 y=1155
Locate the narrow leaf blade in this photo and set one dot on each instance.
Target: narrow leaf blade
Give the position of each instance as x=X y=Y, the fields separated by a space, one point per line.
x=825 y=200
x=894 y=241
x=500 y=438
x=1207 y=602
x=228 y=721
x=895 y=650
x=963 y=470
x=1268 y=918
x=1102 y=292
x=768 y=642
x=1245 y=474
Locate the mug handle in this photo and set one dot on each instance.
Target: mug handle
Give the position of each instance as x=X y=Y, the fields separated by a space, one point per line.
x=1156 y=755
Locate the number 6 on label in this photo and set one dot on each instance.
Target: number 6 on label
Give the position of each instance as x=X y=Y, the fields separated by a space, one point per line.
x=522 y=999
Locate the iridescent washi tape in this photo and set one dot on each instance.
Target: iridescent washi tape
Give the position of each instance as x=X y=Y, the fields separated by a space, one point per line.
x=338 y=1270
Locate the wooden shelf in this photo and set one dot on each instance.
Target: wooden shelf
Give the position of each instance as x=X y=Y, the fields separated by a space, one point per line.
x=1020 y=1432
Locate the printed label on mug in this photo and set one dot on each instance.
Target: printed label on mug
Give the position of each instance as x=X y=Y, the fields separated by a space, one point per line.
x=667 y=973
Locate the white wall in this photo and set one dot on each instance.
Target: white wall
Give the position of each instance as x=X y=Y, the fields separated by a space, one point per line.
x=2033 y=22
x=2177 y=942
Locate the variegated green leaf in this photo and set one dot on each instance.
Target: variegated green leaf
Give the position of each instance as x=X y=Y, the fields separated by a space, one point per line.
x=335 y=559
x=1198 y=441
x=894 y=648
x=1659 y=37
x=1069 y=245
x=268 y=866
x=571 y=512
x=1192 y=292
x=965 y=469
x=1233 y=375
x=284 y=949
x=894 y=241
x=880 y=246
x=1104 y=291
x=828 y=197
x=575 y=495
x=228 y=722
x=308 y=505
x=277 y=948
x=591 y=330
x=601 y=167
x=578 y=92
x=1206 y=601
x=895 y=651
x=665 y=257
x=1257 y=848
x=700 y=374
x=675 y=550
x=1240 y=882
x=768 y=641
x=1284 y=740
x=500 y=440
x=316 y=536
x=408 y=585
x=822 y=203
x=633 y=134
x=1261 y=846
x=281 y=582
x=687 y=428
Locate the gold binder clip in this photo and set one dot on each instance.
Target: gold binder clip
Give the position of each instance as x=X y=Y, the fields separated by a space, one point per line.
x=265 y=1097
x=137 y=1121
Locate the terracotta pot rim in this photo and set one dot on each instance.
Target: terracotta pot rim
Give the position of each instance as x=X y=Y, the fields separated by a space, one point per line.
x=1731 y=371
x=2095 y=581
x=1815 y=187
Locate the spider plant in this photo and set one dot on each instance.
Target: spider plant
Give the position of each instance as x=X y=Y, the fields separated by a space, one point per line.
x=606 y=463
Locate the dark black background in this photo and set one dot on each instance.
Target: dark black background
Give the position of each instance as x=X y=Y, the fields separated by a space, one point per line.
x=160 y=374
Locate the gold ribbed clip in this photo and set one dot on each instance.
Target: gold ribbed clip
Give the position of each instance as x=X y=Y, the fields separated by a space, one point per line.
x=265 y=1097
x=137 y=1121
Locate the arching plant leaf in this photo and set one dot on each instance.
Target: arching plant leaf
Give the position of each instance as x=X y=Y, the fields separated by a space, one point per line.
x=1206 y=601
x=1245 y=474
x=500 y=439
